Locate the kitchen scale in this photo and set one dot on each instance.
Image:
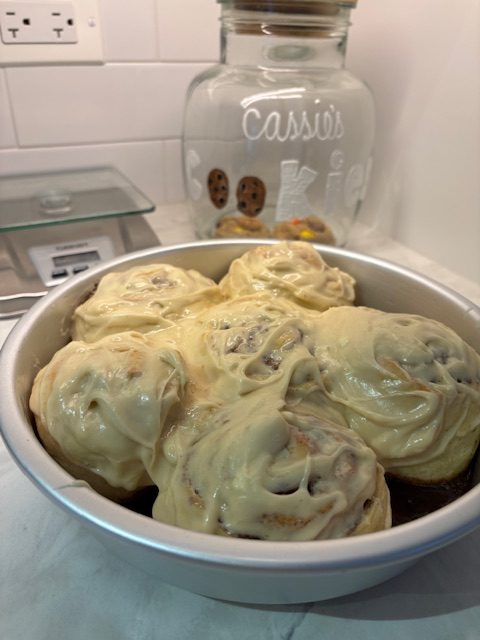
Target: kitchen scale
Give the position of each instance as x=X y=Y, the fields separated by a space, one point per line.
x=55 y=225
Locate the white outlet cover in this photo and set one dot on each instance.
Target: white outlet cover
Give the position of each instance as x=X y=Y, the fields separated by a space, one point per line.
x=42 y=33
x=37 y=23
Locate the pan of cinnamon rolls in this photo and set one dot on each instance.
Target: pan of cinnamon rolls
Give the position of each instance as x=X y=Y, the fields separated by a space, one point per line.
x=265 y=399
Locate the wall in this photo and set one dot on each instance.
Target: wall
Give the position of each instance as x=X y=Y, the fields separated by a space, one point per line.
x=421 y=60
x=127 y=112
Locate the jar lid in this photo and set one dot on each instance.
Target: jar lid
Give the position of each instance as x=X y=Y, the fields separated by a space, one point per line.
x=322 y=7
x=292 y=18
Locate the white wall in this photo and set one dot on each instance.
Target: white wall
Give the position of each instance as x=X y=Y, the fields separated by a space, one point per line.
x=421 y=58
x=127 y=112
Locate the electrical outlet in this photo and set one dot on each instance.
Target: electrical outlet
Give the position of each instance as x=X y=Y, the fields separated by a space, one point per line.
x=32 y=30
x=33 y=23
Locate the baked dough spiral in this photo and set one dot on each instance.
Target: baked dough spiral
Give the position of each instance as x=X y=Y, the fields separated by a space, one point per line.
x=292 y=270
x=408 y=385
x=100 y=408
x=143 y=298
x=257 y=472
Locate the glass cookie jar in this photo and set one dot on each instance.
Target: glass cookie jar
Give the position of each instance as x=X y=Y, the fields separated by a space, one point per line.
x=278 y=137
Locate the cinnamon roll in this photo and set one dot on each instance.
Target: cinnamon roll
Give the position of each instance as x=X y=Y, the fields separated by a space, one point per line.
x=143 y=299
x=248 y=343
x=257 y=472
x=408 y=385
x=100 y=408
x=291 y=270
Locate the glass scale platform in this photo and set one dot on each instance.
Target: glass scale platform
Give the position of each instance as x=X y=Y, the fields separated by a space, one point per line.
x=55 y=225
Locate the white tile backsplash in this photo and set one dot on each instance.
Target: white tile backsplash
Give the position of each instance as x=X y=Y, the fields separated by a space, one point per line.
x=129 y=30
x=7 y=131
x=142 y=162
x=189 y=32
x=87 y=105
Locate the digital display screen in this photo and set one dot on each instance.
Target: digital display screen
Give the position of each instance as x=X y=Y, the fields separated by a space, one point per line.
x=75 y=258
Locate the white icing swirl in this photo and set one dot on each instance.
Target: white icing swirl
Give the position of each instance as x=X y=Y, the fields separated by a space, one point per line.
x=257 y=472
x=408 y=385
x=247 y=343
x=292 y=270
x=143 y=299
x=105 y=404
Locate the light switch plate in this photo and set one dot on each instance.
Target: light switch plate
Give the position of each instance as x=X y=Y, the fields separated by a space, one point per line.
x=34 y=32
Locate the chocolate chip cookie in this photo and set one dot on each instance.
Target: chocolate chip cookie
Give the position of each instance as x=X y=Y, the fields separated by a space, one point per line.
x=218 y=187
x=251 y=194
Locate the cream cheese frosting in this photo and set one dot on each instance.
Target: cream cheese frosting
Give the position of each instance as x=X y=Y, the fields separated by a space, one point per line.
x=293 y=270
x=247 y=343
x=143 y=298
x=410 y=386
x=102 y=407
x=266 y=406
x=258 y=472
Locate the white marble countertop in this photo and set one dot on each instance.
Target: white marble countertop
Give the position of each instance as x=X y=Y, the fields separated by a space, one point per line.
x=58 y=582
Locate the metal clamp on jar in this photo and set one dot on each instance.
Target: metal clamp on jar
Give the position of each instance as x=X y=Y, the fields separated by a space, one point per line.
x=278 y=137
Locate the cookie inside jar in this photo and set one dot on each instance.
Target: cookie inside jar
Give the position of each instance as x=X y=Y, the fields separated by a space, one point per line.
x=253 y=218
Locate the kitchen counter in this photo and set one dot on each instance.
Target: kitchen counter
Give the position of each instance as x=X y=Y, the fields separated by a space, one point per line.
x=59 y=582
